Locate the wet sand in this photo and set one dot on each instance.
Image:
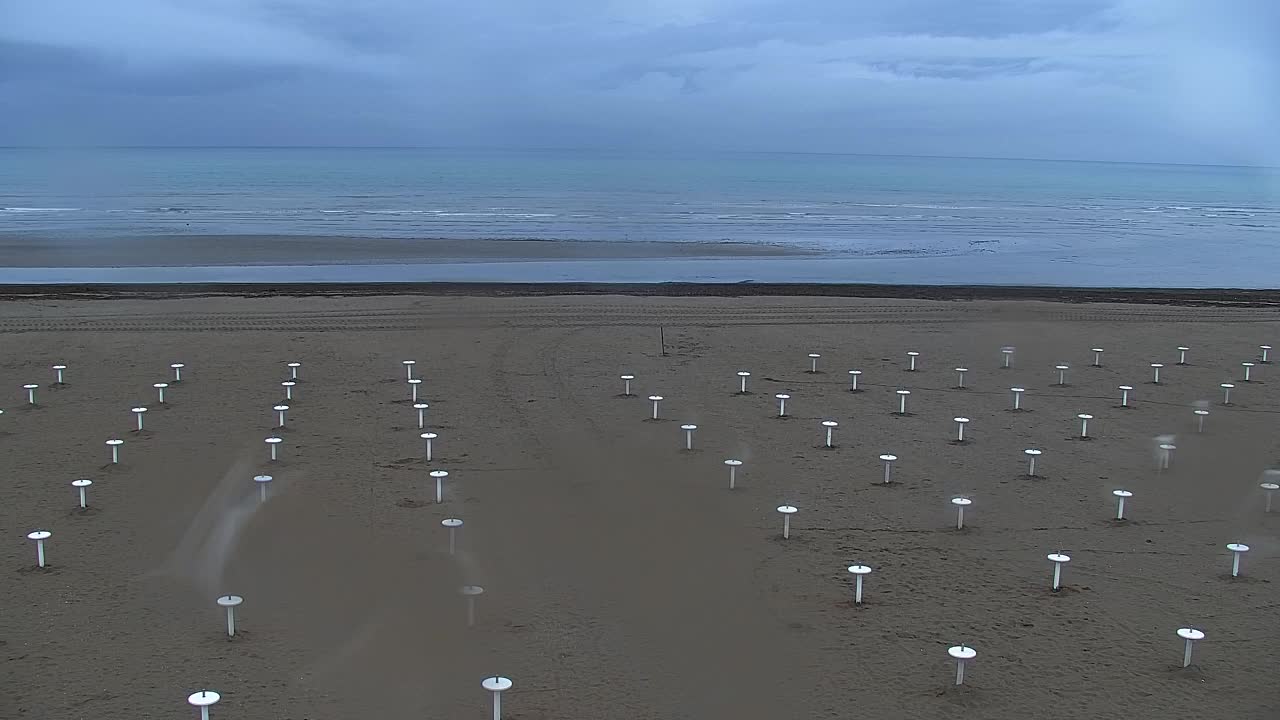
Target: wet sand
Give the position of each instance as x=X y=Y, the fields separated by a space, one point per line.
x=295 y=260
x=622 y=578
x=23 y=251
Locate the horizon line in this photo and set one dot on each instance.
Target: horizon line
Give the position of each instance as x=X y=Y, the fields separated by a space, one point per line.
x=615 y=149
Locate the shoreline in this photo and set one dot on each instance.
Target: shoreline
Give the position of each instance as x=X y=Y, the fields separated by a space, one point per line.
x=271 y=260
x=37 y=251
x=1204 y=297
x=1027 y=270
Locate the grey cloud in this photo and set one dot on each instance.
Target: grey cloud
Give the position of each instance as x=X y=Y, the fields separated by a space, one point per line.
x=1111 y=79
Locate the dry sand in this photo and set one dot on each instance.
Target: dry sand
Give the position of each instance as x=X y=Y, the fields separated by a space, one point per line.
x=623 y=579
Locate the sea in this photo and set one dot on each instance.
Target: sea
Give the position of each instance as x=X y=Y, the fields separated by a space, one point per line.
x=858 y=218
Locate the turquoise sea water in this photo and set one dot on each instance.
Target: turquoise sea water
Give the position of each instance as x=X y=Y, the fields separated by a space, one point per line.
x=1221 y=224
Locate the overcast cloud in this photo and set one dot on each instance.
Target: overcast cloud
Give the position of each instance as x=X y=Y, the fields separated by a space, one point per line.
x=1154 y=80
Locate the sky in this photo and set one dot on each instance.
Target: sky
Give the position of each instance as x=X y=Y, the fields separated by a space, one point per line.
x=1194 y=81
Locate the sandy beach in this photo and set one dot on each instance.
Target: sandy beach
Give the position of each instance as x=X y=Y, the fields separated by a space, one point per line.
x=622 y=578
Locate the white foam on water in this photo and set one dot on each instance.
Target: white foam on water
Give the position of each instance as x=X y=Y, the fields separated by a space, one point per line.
x=491 y=214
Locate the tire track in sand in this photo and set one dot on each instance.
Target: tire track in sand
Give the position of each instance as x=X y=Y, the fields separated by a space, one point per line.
x=669 y=605
x=549 y=315
x=529 y=541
